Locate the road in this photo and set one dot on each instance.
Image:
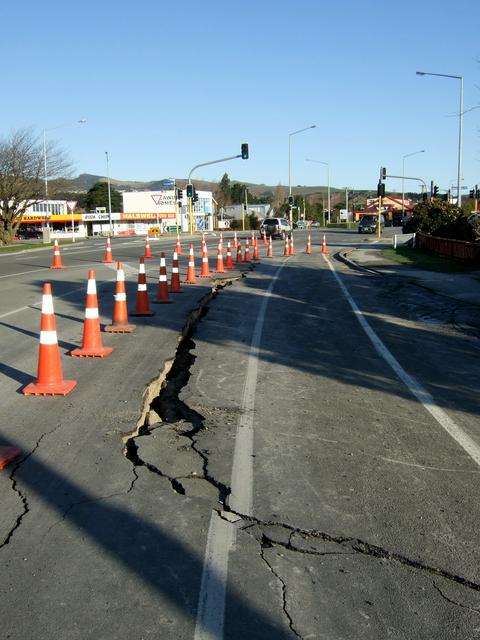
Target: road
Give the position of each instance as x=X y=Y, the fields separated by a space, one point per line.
x=294 y=452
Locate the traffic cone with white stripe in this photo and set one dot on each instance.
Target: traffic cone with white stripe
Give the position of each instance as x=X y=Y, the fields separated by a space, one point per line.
x=324 y=245
x=107 y=259
x=162 y=292
x=92 y=346
x=229 y=261
x=270 y=248
x=142 y=306
x=120 y=313
x=239 y=253
x=265 y=241
x=255 y=250
x=235 y=241
x=191 y=277
x=147 y=248
x=247 y=251
x=292 y=248
x=219 y=268
x=205 y=271
x=175 y=279
x=286 y=248
x=221 y=242
x=178 y=246
x=308 y=250
x=57 y=260
x=50 y=380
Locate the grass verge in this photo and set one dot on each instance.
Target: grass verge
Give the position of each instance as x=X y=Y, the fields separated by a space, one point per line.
x=420 y=260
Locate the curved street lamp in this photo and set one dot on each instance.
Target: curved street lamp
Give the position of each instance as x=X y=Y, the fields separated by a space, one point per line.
x=327 y=164
x=294 y=133
x=407 y=155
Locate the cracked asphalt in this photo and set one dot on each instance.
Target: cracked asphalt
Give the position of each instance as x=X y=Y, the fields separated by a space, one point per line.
x=364 y=511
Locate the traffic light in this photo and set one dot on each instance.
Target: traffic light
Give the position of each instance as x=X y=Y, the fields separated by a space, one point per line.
x=383 y=173
x=380 y=190
x=179 y=195
x=244 y=151
x=471 y=194
x=424 y=196
x=290 y=201
x=190 y=190
x=435 y=191
x=195 y=196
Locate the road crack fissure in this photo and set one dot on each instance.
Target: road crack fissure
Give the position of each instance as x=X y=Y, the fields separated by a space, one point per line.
x=266 y=544
x=355 y=545
x=22 y=496
x=163 y=405
x=454 y=602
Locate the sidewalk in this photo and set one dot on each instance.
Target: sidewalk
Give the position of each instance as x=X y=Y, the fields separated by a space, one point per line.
x=461 y=286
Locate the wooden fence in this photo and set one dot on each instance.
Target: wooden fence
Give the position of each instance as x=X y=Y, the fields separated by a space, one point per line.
x=458 y=249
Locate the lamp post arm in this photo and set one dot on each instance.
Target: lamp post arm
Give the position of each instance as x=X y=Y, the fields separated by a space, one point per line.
x=205 y=164
x=407 y=178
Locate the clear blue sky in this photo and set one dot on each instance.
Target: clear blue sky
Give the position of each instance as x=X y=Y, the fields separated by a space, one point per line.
x=165 y=86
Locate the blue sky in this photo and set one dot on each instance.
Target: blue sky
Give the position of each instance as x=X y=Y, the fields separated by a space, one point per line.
x=167 y=86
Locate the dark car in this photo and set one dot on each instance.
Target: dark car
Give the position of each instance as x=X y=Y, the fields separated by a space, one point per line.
x=369 y=223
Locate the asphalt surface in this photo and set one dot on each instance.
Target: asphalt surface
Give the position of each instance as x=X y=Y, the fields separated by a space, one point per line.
x=246 y=464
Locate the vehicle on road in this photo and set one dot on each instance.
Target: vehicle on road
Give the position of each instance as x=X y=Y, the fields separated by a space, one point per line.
x=369 y=223
x=299 y=225
x=276 y=227
x=315 y=225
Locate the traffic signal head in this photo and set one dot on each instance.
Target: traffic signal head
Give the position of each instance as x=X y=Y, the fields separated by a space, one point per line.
x=195 y=196
x=380 y=190
x=435 y=190
x=290 y=201
x=471 y=194
x=179 y=194
x=383 y=173
x=189 y=190
x=244 y=151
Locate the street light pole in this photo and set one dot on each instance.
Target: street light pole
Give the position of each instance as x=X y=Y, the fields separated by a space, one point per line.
x=109 y=197
x=407 y=155
x=294 y=133
x=460 y=129
x=327 y=164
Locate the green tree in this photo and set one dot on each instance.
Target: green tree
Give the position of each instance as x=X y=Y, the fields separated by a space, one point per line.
x=434 y=216
x=22 y=176
x=97 y=196
x=223 y=192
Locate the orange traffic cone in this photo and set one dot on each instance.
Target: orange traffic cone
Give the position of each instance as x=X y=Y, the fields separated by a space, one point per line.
x=255 y=250
x=308 y=250
x=178 y=246
x=270 y=248
x=235 y=241
x=107 y=259
x=239 y=253
x=265 y=241
x=147 y=248
x=50 y=380
x=57 y=260
x=191 y=277
x=175 y=279
x=292 y=249
x=286 y=248
x=247 y=250
x=205 y=271
x=120 y=313
x=229 y=262
x=162 y=293
x=92 y=346
x=8 y=455
x=219 y=268
x=142 y=307
x=324 y=245
x=221 y=241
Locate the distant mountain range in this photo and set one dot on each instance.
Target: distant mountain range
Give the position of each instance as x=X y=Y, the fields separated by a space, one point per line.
x=85 y=181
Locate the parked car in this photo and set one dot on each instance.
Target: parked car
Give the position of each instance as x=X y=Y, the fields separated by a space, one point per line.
x=28 y=233
x=299 y=225
x=275 y=227
x=369 y=223
x=315 y=225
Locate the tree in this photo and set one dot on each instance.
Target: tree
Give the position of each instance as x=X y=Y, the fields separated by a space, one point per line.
x=279 y=196
x=434 y=217
x=22 y=176
x=223 y=192
x=97 y=196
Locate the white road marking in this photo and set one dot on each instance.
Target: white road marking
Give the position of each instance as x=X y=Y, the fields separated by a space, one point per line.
x=422 y=395
x=221 y=534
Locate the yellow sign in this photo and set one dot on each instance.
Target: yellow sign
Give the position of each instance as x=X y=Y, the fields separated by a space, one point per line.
x=154 y=231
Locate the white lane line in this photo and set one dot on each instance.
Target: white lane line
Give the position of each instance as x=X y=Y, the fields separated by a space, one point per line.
x=221 y=534
x=422 y=395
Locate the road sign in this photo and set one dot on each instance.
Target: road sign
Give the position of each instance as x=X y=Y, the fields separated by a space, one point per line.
x=71 y=204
